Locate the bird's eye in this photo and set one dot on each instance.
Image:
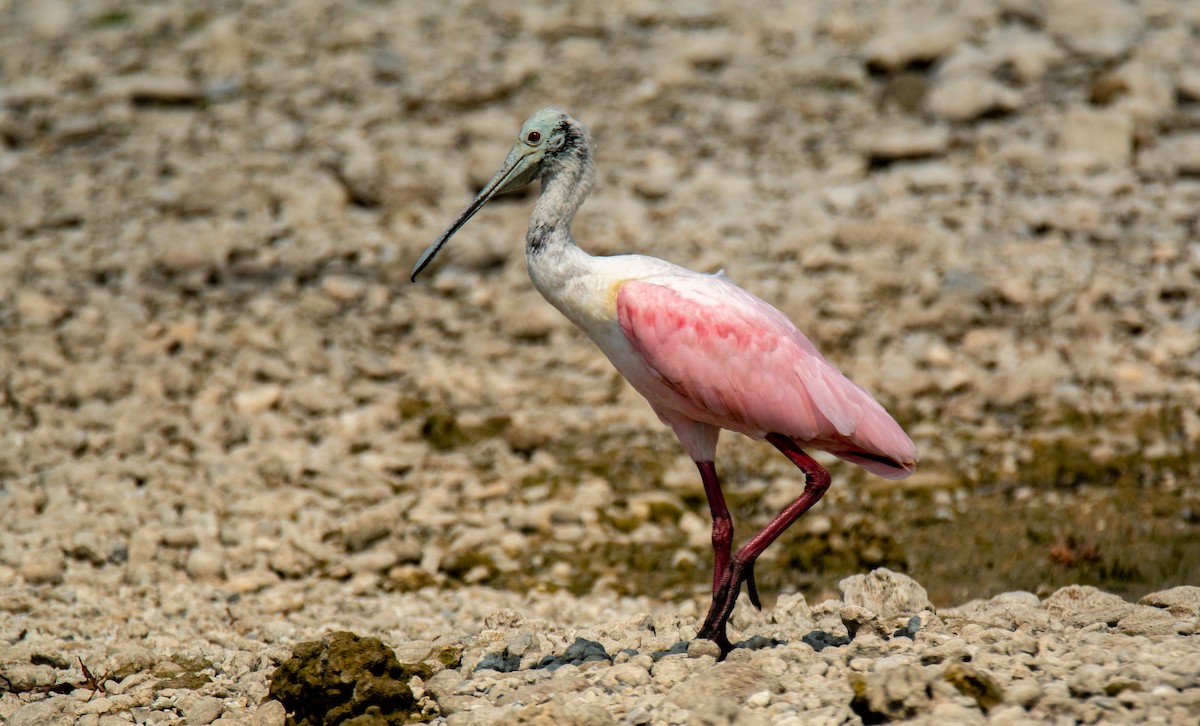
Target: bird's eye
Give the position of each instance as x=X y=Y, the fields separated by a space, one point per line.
x=533 y=137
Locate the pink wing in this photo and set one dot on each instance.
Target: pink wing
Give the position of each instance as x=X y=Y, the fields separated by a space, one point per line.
x=740 y=364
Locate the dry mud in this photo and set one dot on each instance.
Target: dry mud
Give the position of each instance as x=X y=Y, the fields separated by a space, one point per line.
x=229 y=424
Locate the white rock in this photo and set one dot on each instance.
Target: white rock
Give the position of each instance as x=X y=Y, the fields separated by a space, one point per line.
x=1183 y=151
x=1188 y=84
x=45 y=566
x=968 y=97
x=626 y=674
x=1142 y=90
x=885 y=593
x=202 y=710
x=1090 y=138
x=206 y=564
x=1101 y=29
x=1183 y=601
x=40 y=713
x=906 y=143
x=38 y=310
x=1081 y=605
x=258 y=399
x=1029 y=54
x=921 y=40
x=51 y=18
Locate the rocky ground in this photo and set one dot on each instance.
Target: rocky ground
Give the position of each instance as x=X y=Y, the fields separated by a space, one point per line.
x=230 y=425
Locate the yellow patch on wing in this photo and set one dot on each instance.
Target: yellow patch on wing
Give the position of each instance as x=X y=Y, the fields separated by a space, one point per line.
x=611 y=300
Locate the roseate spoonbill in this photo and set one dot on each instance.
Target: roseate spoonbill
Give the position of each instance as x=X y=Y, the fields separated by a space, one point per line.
x=706 y=354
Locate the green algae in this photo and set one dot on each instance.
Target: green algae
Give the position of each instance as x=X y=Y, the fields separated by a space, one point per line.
x=975 y=684
x=1078 y=497
x=345 y=678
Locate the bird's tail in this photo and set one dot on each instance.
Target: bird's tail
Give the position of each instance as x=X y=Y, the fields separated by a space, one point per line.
x=884 y=466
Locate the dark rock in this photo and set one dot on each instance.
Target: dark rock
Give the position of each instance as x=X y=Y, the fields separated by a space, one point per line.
x=580 y=652
x=679 y=648
x=975 y=684
x=344 y=678
x=819 y=640
x=503 y=661
x=185 y=681
x=758 y=642
x=910 y=629
x=585 y=650
x=893 y=695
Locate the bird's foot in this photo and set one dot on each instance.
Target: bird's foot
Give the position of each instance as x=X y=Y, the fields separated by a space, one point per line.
x=751 y=588
x=724 y=600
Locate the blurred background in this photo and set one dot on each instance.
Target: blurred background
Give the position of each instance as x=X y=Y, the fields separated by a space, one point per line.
x=213 y=367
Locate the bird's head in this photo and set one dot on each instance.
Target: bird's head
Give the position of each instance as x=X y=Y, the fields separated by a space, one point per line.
x=549 y=140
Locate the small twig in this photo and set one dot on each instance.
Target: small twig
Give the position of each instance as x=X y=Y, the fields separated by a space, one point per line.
x=91 y=681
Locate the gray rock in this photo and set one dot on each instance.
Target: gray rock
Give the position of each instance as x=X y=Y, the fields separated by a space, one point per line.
x=1141 y=89
x=158 y=89
x=53 y=710
x=203 y=710
x=904 y=142
x=206 y=564
x=45 y=566
x=702 y=647
x=860 y=620
x=729 y=682
x=895 y=693
x=1152 y=621
x=25 y=676
x=914 y=43
x=1082 y=605
x=1188 y=84
x=1090 y=138
x=548 y=714
x=968 y=97
x=51 y=19
x=269 y=713
x=887 y=594
x=1101 y=29
x=1182 y=601
x=1183 y=153
x=626 y=675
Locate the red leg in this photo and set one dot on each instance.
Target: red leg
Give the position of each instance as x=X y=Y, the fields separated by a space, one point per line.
x=722 y=523
x=741 y=568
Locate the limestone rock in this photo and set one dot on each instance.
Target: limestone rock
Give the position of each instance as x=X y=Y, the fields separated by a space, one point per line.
x=887 y=594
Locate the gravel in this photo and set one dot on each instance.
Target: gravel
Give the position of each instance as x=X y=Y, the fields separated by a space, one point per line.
x=229 y=426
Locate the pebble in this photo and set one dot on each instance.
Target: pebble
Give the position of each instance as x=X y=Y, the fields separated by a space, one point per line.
x=906 y=143
x=203 y=710
x=1100 y=29
x=1090 y=138
x=206 y=564
x=914 y=43
x=258 y=399
x=968 y=97
x=885 y=593
x=45 y=566
x=1182 y=601
x=158 y=89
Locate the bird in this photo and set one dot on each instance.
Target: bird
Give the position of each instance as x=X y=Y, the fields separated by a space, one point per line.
x=705 y=354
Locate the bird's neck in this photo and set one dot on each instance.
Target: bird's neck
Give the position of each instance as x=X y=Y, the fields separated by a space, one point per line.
x=564 y=187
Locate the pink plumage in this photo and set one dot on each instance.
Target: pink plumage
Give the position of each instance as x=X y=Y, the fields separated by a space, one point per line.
x=725 y=358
